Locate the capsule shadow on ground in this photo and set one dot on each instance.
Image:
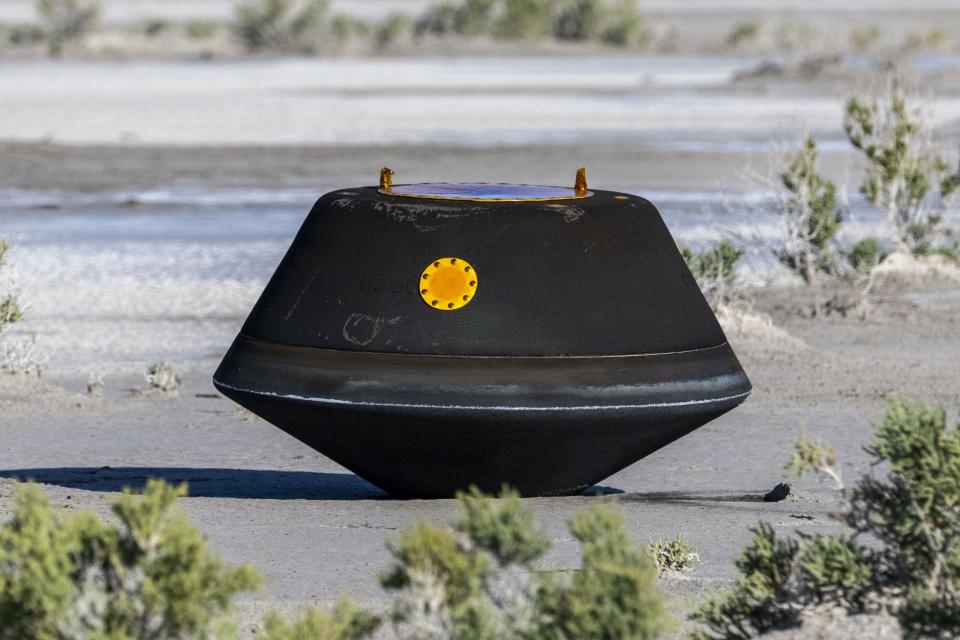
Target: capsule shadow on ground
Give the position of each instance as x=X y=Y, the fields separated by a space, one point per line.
x=263 y=484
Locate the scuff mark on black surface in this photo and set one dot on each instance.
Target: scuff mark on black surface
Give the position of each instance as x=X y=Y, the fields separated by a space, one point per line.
x=296 y=303
x=363 y=328
x=424 y=217
x=569 y=212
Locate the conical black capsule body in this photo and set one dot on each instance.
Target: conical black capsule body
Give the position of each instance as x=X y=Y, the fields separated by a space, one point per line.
x=433 y=343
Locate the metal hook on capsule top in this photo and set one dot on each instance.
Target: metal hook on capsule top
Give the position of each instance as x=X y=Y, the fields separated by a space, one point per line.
x=386 y=179
x=580 y=183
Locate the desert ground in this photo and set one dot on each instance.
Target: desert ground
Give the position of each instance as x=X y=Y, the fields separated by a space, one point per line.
x=148 y=203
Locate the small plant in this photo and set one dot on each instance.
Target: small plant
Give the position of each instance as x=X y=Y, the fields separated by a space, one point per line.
x=864 y=38
x=715 y=269
x=285 y=26
x=795 y=36
x=809 y=214
x=201 y=29
x=742 y=33
x=394 y=28
x=523 y=20
x=580 y=20
x=95 y=384
x=345 y=621
x=71 y=576
x=673 y=555
x=16 y=356
x=907 y=175
x=813 y=456
x=865 y=255
x=25 y=34
x=21 y=357
x=478 y=579
x=346 y=27
x=66 y=20
x=469 y=18
x=475 y=17
x=10 y=310
x=155 y=26
x=624 y=25
x=934 y=39
x=161 y=377
x=911 y=515
x=438 y=20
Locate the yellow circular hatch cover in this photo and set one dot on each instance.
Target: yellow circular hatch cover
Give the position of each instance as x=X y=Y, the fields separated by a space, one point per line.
x=448 y=283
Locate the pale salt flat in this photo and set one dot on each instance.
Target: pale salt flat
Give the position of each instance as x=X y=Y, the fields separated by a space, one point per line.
x=670 y=102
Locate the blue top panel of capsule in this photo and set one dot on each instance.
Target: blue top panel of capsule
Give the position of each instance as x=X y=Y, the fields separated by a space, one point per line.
x=484 y=191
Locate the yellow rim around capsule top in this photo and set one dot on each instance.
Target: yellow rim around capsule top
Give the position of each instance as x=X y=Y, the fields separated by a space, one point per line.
x=448 y=283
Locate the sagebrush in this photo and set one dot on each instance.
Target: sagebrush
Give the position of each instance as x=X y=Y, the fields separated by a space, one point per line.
x=66 y=20
x=152 y=577
x=907 y=174
x=283 y=26
x=715 y=269
x=479 y=578
x=911 y=515
x=65 y=576
x=810 y=216
x=614 y=22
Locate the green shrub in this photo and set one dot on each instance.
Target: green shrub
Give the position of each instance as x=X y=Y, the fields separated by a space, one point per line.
x=71 y=576
x=580 y=20
x=162 y=377
x=393 y=28
x=864 y=38
x=475 y=17
x=25 y=34
x=914 y=510
x=153 y=577
x=202 y=29
x=934 y=39
x=865 y=254
x=810 y=216
x=346 y=27
x=760 y=599
x=478 y=579
x=345 y=621
x=911 y=515
x=615 y=22
x=907 y=175
x=280 y=25
x=523 y=19
x=614 y=594
x=743 y=32
x=10 y=309
x=714 y=268
x=791 y=36
x=66 y=20
x=155 y=27
x=813 y=456
x=673 y=555
x=469 y=18
x=438 y=20
x=624 y=25
x=834 y=568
